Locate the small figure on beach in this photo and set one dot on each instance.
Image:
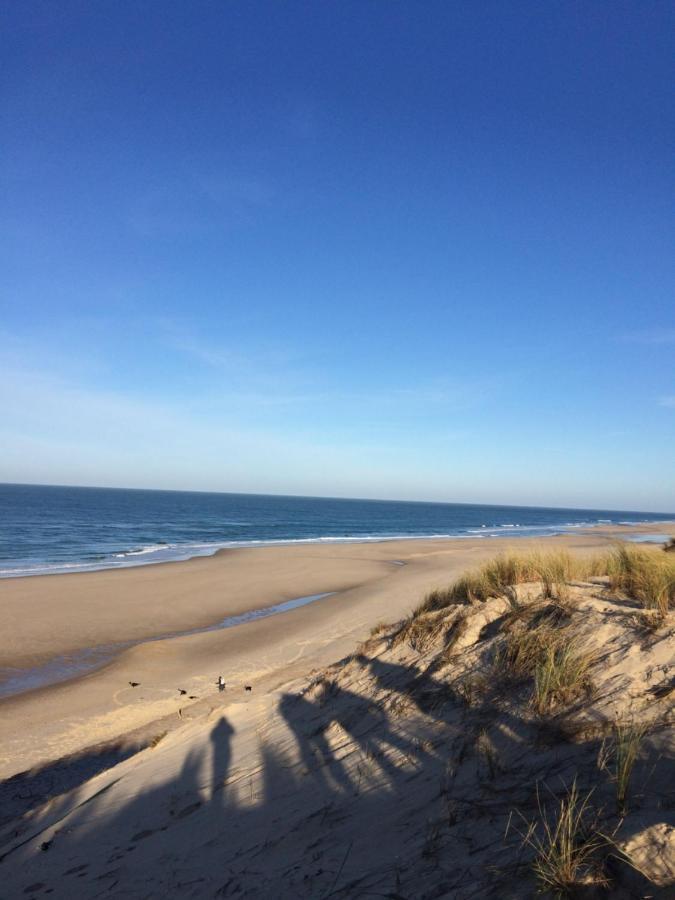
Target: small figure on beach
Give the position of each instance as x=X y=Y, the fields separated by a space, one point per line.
x=247 y=687
x=134 y=683
x=221 y=683
x=181 y=692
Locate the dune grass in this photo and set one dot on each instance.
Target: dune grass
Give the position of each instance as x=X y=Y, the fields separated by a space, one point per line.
x=495 y=577
x=420 y=630
x=560 y=676
x=625 y=751
x=566 y=846
x=537 y=644
x=455 y=631
x=522 y=650
x=538 y=647
x=647 y=576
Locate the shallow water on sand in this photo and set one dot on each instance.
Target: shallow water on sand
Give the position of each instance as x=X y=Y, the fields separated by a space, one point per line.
x=17 y=681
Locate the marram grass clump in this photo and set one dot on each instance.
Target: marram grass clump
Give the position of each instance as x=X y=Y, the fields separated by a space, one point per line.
x=496 y=577
x=568 y=846
x=560 y=676
x=646 y=575
x=537 y=648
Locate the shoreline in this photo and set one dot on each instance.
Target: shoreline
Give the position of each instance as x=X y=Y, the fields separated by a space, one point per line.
x=133 y=558
x=366 y=582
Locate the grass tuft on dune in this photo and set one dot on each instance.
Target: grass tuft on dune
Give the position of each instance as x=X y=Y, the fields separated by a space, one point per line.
x=647 y=576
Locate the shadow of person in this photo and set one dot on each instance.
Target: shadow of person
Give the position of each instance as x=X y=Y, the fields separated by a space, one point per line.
x=301 y=715
x=221 y=755
x=425 y=692
x=368 y=726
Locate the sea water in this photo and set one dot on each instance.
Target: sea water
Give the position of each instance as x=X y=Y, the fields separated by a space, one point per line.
x=74 y=529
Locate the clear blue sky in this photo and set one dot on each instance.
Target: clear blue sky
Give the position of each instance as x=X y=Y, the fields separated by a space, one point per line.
x=377 y=249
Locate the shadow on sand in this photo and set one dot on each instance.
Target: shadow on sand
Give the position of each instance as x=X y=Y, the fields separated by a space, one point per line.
x=382 y=782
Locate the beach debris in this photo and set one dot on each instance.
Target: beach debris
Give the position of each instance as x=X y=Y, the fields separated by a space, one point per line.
x=134 y=683
x=221 y=683
x=247 y=687
x=45 y=845
x=193 y=697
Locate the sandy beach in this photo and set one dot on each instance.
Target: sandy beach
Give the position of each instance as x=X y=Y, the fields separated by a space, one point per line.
x=335 y=721
x=62 y=616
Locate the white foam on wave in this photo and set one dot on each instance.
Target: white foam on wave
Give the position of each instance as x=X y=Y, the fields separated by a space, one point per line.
x=153 y=548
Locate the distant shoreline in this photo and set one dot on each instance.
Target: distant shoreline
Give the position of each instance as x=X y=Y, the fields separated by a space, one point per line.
x=163 y=556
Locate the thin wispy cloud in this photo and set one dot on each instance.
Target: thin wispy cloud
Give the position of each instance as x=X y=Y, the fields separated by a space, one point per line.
x=274 y=374
x=177 y=336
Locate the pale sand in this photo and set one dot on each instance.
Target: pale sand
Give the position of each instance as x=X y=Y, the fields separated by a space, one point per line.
x=52 y=615
x=398 y=773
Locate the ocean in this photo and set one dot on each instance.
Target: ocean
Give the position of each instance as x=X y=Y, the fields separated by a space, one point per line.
x=76 y=529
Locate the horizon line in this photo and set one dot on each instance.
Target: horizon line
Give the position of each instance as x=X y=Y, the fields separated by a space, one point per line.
x=95 y=487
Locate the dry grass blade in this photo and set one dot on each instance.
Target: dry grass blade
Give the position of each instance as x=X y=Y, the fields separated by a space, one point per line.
x=454 y=633
x=379 y=628
x=626 y=749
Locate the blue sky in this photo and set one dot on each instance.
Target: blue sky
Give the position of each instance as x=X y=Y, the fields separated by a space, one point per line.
x=376 y=249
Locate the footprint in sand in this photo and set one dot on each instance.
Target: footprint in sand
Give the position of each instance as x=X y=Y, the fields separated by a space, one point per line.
x=76 y=869
x=110 y=874
x=187 y=811
x=142 y=834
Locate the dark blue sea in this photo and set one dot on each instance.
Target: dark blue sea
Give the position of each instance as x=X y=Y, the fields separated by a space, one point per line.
x=74 y=529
